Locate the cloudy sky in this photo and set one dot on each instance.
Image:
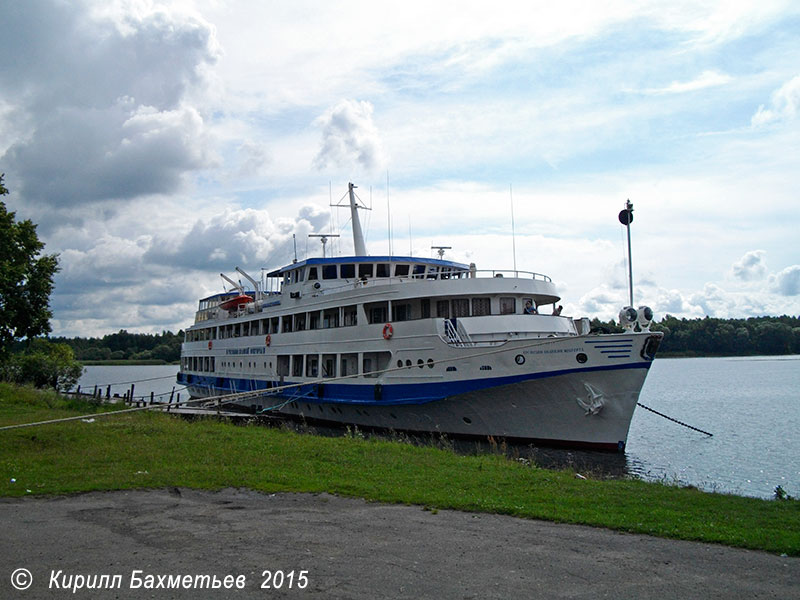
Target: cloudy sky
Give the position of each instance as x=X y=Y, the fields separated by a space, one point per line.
x=158 y=144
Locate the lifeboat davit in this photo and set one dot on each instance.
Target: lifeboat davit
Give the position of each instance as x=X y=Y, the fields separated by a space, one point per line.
x=236 y=302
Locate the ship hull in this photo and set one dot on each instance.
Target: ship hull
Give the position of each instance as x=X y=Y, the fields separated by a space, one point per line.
x=558 y=401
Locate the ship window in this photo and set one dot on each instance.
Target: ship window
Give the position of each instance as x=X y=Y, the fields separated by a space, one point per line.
x=297 y=365
x=329 y=365
x=348 y=271
x=350 y=313
x=419 y=271
x=349 y=364
x=365 y=270
x=374 y=362
x=401 y=312
x=433 y=272
x=287 y=323
x=461 y=307
x=377 y=312
x=300 y=322
x=312 y=365
x=481 y=306
x=312 y=273
x=313 y=320
x=330 y=318
x=401 y=270
x=443 y=309
x=329 y=272
x=274 y=325
x=283 y=365
x=508 y=306
x=382 y=270
x=425 y=308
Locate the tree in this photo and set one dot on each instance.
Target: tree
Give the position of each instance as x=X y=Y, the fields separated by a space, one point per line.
x=26 y=280
x=45 y=364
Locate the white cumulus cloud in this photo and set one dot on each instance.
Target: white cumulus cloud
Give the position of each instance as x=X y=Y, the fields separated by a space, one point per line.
x=787 y=281
x=751 y=266
x=784 y=104
x=349 y=137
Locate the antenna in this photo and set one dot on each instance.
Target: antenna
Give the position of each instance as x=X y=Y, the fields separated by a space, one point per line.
x=440 y=250
x=626 y=218
x=388 y=213
x=323 y=237
x=294 y=241
x=410 y=239
x=513 y=232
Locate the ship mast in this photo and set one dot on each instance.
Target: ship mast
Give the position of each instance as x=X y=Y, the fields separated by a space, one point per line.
x=358 y=235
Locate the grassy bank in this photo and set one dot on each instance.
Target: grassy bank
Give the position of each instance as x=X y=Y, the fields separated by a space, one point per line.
x=156 y=450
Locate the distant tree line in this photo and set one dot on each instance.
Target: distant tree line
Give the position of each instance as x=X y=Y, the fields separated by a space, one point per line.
x=723 y=337
x=164 y=346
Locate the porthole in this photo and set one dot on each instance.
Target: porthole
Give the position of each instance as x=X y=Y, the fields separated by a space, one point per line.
x=408 y=363
x=519 y=359
x=467 y=420
x=581 y=357
x=420 y=363
x=430 y=363
x=451 y=368
x=399 y=364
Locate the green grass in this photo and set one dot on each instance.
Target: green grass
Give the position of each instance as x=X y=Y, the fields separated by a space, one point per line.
x=149 y=450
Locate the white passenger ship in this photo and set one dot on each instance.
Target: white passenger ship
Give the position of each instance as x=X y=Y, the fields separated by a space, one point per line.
x=419 y=345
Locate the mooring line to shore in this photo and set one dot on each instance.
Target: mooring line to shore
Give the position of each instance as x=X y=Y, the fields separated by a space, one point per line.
x=230 y=398
x=225 y=399
x=674 y=420
x=134 y=382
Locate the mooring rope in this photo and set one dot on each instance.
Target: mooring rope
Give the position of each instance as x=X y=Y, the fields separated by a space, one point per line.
x=230 y=398
x=673 y=420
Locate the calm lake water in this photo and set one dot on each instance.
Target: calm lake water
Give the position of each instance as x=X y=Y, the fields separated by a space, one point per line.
x=751 y=405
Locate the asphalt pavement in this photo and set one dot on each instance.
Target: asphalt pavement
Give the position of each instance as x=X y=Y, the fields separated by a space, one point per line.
x=180 y=543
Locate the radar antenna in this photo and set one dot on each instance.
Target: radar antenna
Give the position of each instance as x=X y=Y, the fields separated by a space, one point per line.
x=323 y=237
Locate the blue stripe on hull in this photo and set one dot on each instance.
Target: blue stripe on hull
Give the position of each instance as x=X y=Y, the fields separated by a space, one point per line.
x=378 y=394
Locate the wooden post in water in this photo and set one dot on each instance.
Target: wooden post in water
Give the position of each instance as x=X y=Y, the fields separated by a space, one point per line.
x=171 y=394
x=108 y=392
x=151 y=397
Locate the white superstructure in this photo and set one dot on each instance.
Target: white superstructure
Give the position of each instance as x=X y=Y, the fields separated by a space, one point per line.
x=419 y=344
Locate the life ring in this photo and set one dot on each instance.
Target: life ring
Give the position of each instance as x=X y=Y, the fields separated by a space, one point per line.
x=268 y=340
x=388 y=331
x=209 y=344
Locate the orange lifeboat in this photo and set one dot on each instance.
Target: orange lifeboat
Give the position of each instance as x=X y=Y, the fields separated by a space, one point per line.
x=235 y=302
